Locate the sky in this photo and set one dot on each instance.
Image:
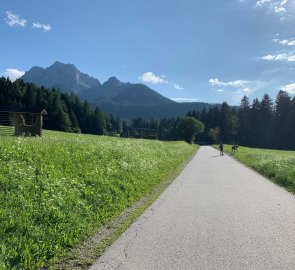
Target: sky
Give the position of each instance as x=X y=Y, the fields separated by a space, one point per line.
x=187 y=50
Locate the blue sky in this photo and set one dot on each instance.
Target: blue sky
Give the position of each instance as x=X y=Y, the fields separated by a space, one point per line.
x=209 y=51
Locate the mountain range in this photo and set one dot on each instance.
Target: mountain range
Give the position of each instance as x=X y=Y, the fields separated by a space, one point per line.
x=124 y=100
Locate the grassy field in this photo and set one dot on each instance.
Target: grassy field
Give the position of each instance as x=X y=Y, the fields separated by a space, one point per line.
x=277 y=165
x=57 y=190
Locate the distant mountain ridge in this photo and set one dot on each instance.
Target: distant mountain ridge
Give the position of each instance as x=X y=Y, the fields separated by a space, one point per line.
x=68 y=78
x=65 y=77
x=124 y=100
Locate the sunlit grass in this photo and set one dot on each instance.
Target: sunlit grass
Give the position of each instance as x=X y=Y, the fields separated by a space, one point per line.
x=6 y=130
x=56 y=190
x=277 y=165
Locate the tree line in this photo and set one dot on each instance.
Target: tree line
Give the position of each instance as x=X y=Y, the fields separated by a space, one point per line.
x=179 y=128
x=66 y=112
x=263 y=123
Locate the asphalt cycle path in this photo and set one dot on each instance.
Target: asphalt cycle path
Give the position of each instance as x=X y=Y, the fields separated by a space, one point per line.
x=217 y=214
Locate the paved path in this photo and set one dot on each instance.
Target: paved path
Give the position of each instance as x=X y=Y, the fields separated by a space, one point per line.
x=217 y=214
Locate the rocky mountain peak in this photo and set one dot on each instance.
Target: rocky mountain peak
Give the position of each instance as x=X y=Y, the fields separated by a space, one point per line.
x=112 y=82
x=65 y=77
x=60 y=65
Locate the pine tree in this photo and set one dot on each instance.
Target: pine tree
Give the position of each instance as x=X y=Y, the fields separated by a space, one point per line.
x=266 y=122
x=243 y=124
x=226 y=124
x=282 y=110
x=255 y=123
x=99 y=122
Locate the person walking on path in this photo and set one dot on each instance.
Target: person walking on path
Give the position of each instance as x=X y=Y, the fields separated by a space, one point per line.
x=234 y=149
x=221 y=149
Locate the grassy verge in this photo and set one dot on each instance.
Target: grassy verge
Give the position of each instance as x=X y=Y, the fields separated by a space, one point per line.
x=58 y=190
x=277 y=165
x=86 y=253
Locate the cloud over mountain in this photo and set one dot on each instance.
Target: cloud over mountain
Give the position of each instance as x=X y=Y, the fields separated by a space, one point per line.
x=150 y=77
x=13 y=73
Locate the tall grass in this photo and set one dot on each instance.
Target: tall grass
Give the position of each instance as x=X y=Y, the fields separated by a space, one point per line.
x=56 y=190
x=277 y=165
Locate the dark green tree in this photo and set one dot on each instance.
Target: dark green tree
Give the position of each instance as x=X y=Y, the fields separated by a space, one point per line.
x=189 y=127
x=99 y=122
x=226 y=124
x=282 y=125
x=266 y=124
x=214 y=134
x=243 y=122
x=255 y=123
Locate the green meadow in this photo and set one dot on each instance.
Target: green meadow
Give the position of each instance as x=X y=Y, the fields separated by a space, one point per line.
x=57 y=190
x=277 y=165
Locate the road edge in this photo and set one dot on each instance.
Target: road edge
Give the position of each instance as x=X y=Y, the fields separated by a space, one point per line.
x=85 y=254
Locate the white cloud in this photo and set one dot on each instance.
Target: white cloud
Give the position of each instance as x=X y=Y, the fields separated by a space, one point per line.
x=247 y=90
x=291 y=58
x=150 y=77
x=236 y=93
x=279 y=9
x=177 y=87
x=14 y=19
x=283 y=2
x=268 y=57
x=280 y=57
x=289 y=42
x=252 y=87
x=236 y=83
x=284 y=42
x=289 y=88
x=185 y=99
x=277 y=6
x=261 y=3
x=45 y=27
x=13 y=73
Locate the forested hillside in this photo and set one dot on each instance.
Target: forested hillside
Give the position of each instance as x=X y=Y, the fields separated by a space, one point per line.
x=160 y=111
x=66 y=112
